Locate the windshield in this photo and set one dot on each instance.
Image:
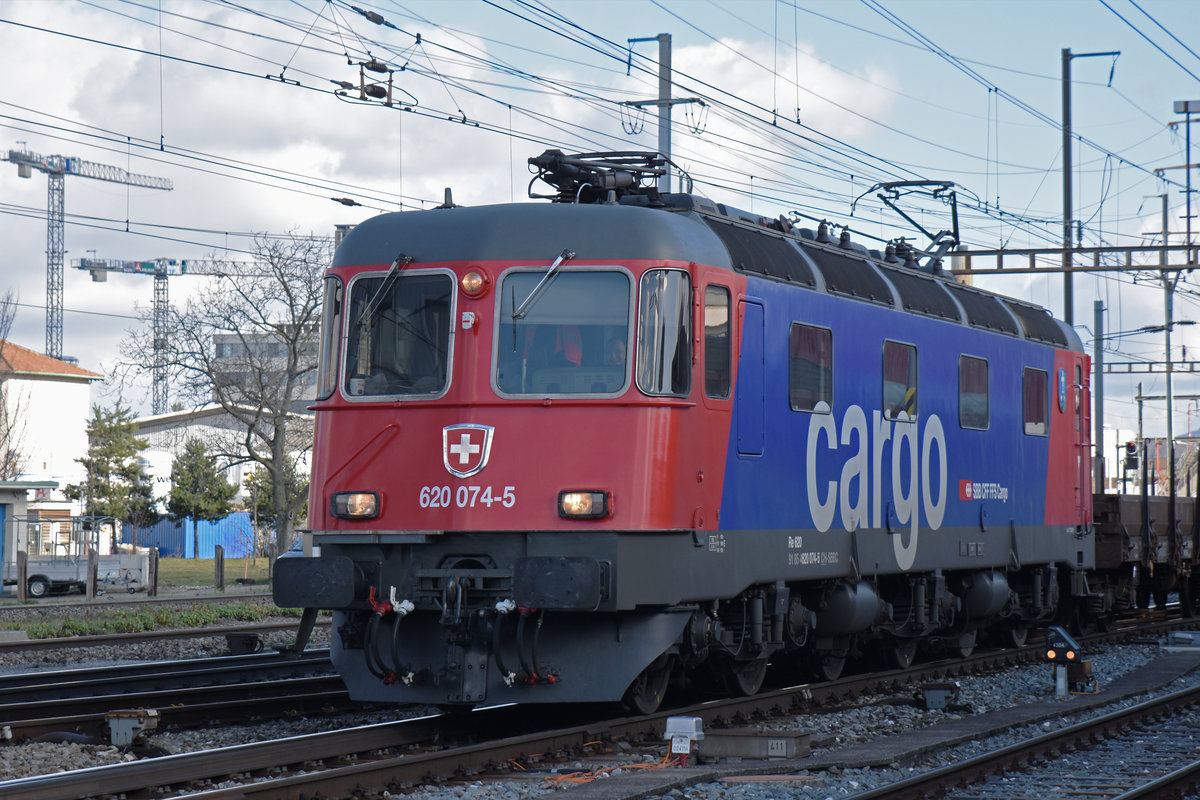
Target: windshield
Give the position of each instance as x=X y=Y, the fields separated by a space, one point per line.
x=399 y=336
x=572 y=340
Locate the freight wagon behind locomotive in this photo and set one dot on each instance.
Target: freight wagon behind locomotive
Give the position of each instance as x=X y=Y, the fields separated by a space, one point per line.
x=568 y=451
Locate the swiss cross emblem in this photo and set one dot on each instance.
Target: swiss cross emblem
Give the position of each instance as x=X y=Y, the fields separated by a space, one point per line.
x=465 y=448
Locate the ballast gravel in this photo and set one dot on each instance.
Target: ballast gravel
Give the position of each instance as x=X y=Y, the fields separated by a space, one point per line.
x=867 y=718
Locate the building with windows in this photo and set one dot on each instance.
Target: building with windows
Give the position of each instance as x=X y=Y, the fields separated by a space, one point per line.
x=253 y=363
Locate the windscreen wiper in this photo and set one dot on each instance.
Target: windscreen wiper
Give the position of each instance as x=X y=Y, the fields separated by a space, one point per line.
x=543 y=284
x=366 y=322
x=389 y=280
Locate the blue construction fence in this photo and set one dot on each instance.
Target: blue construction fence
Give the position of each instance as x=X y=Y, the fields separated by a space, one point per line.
x=174 y=539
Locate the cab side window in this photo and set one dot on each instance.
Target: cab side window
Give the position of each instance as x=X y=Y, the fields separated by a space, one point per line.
x=664 y=348
x=717 y=346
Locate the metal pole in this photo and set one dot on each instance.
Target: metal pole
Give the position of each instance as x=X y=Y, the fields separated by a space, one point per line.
x=1068 y=204
x=1098 y=397
x=1168 y=309
x=1141 y=442
x=664 y=105
x=1124 y=467
x=1068 y=291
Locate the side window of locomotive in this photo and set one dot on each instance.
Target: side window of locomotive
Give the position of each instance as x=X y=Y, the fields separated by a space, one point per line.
x=331 y=331
x=899 y=381
x=399 y=338
x=664 y=350
x=810 y=368
x=973 y=409
x=1035 y=401
x=569 y=338
x=717 y=353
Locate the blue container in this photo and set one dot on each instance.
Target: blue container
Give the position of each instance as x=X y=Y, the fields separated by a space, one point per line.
x=234 y=533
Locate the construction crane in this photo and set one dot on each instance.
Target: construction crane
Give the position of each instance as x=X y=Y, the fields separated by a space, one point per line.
x=56 y=169
x=161 y=269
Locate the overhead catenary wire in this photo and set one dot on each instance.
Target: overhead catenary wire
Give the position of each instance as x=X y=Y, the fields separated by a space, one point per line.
x=609 y=48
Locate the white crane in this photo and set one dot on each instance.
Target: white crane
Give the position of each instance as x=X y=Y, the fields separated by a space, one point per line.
x=56 y=169
x=161 y=269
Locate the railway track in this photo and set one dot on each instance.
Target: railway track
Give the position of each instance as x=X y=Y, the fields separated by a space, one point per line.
x=191 y=693
x=1148 y=750
x=389 y=755
x=118 y=639
x=385 y=756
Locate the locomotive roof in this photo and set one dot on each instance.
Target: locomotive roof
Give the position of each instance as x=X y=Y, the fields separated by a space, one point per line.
x=684 y=227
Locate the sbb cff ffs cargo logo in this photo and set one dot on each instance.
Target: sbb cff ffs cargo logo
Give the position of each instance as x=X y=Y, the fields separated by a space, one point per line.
x=466 y=448
x=965 y=490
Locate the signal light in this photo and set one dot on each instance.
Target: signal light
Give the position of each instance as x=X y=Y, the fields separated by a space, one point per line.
x=1131 y=455
x=1060 y=647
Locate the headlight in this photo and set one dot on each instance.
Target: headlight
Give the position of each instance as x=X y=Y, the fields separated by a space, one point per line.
x=582 y=505
x=355 y=505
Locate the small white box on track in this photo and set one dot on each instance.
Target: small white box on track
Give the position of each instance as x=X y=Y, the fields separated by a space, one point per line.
x=1183 y=642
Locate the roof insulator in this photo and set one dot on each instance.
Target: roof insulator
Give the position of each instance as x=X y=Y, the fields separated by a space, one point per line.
x=844 y=240
x=823 y=233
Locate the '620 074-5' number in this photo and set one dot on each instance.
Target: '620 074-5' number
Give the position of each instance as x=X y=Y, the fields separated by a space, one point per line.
x=467 y=496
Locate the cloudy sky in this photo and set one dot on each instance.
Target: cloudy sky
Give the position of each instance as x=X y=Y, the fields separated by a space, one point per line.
x=807 y=104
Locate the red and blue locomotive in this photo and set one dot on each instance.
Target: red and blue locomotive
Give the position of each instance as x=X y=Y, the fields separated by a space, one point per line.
x=568 y=451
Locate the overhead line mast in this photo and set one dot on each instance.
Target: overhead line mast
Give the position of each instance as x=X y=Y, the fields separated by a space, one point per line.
x=56 y=169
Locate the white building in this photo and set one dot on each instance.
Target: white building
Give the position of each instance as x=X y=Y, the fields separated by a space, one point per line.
x=166 y=435
x=47 y=405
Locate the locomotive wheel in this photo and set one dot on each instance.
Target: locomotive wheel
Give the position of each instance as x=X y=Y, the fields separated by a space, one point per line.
x=1187 y=598
x=964 y=645
x=645 y=694
x=1143 y=595
x=828 y=667
x=1015 y=635
x=1160 y=598
x=902 y=652
x=745 y=678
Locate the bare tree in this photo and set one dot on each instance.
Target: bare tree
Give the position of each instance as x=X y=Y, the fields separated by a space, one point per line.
x=13 y=452
x=248 y=342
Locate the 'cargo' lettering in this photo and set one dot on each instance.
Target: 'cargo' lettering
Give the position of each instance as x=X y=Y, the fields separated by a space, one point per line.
x=916 y=490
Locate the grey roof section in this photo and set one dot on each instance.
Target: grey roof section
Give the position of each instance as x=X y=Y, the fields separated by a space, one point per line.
x=532 y=232
x=538 y=232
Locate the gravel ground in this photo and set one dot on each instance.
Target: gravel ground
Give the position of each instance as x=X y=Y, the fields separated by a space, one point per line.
x=867 y=718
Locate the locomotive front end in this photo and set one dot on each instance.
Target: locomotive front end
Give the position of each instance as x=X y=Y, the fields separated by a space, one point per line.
x=474 y=474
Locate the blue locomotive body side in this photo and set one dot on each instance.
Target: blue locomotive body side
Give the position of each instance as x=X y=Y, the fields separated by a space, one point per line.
x=838 y=469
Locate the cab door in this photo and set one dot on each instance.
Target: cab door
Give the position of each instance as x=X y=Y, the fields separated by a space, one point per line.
x=1082 y=436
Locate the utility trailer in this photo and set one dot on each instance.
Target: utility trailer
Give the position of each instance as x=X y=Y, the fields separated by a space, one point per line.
x=57 y=560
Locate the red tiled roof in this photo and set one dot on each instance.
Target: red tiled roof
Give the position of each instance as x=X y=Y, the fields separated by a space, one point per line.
x=19 y=360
